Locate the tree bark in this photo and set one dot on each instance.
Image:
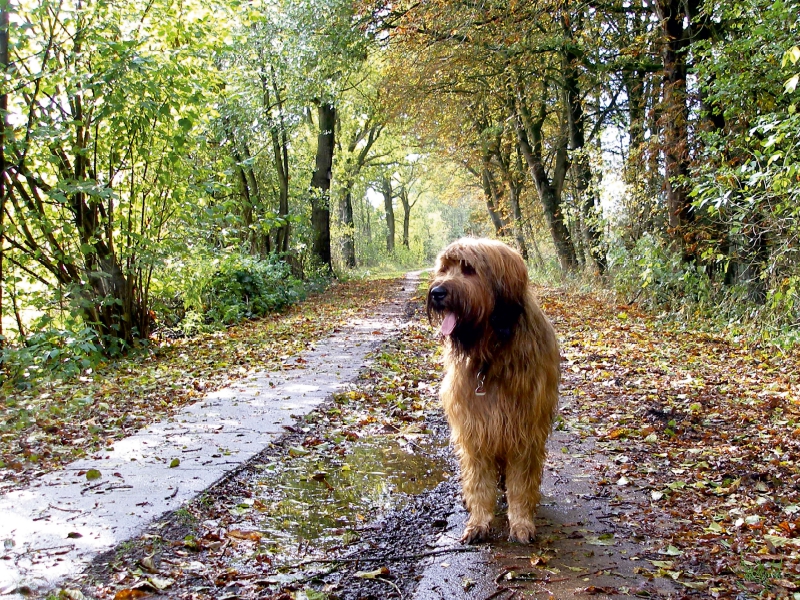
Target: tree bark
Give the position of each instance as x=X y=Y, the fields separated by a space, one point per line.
x=280 y=151
x=388 y=196
x=675 y=117
x=348 y=238
x=4 y=32
x=125 y=317
x=407 y=206
x=492 y=199
x=529 y=136
x=321 y=185
x=513 y=185
x=356 y=161
x=516 y=212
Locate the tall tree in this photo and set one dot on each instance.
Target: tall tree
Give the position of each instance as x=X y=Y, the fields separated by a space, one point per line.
x=576 y=119
x=321 y=183
x=674 y=15
x=388 y=193
x=99 y=164
x=549 y=186
x=404 y=194
x=278 y=130
x=364 y=123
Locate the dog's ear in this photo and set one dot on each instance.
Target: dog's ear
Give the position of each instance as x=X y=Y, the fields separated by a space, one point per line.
x=504 y=317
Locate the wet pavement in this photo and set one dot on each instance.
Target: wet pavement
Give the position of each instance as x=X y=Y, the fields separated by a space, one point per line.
x=54 y=528
x=584 y=547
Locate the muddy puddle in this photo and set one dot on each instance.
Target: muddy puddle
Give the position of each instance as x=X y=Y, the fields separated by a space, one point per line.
x=313 y=503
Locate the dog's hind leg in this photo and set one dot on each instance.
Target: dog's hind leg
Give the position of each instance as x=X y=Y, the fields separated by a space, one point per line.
x=523 y=478
x=479 y=484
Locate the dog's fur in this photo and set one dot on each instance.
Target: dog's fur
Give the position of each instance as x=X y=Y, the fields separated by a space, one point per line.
x=502 y=335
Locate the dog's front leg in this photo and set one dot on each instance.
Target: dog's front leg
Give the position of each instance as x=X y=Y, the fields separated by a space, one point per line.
x=479 y=484
x=523 y=478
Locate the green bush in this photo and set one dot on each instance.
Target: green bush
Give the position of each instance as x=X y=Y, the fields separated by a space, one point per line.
x=52 y=351
x=239 y=287
x=655 y=275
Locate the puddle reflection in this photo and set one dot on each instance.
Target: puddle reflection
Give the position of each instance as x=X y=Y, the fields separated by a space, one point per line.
x=322 y=501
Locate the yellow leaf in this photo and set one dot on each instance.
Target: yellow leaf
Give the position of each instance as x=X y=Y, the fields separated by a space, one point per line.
x=239 y=534
x=791 y=55
x=373 y=574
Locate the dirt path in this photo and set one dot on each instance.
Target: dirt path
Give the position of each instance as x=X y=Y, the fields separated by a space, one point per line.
x=359 y=499
x=645 y=494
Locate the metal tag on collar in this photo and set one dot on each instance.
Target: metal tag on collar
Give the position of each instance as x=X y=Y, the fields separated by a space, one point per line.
x=480 y=390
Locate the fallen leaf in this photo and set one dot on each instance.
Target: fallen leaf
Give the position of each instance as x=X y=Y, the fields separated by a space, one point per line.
x=160 y=583
x=373 y=574
x=539 y=559
x=606 y=539
x=239 y=534
x=128 y=594
x=148 y=564
x=785 y=583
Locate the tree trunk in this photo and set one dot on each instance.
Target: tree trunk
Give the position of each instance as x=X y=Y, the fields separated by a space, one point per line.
x=512 y=184
x=348 y=238
x=367 y=219
x=407 y=206
x=247 y=205
x=3 y=121
x=321 y=186
x=516 y=212
x=529 y=136
x=388 y=196
x=114 y=307
x=675 y=117
x=357 y=158
x=492 y=200
x=280 y=151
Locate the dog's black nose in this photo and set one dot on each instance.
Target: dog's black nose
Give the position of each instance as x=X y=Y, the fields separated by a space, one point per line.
x=438 y=293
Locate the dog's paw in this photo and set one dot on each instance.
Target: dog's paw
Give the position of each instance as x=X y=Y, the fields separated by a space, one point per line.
x=522 y=532
x=474 y=534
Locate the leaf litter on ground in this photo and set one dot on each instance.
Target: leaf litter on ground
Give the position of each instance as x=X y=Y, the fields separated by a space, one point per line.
x=58 y=421
x=702 y=431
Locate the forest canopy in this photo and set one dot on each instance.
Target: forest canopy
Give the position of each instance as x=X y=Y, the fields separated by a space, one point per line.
x=172 y=167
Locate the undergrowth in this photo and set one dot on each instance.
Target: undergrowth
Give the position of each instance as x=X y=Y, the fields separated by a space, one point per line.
x=198 y=296
x=685 y=295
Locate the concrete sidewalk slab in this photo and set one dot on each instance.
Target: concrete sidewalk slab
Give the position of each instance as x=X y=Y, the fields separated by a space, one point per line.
x=55 y=527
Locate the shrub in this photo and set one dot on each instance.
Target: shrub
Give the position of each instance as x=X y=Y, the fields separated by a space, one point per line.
x=239 y=287
x=52 y=351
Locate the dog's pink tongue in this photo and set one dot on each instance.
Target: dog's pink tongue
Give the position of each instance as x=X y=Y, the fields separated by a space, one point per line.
x=448 y=324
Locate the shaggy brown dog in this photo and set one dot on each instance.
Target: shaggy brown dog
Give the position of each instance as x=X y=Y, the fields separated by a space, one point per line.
x=500 y=390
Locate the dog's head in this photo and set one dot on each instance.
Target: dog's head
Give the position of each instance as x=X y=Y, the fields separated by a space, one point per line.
x=478 y=292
